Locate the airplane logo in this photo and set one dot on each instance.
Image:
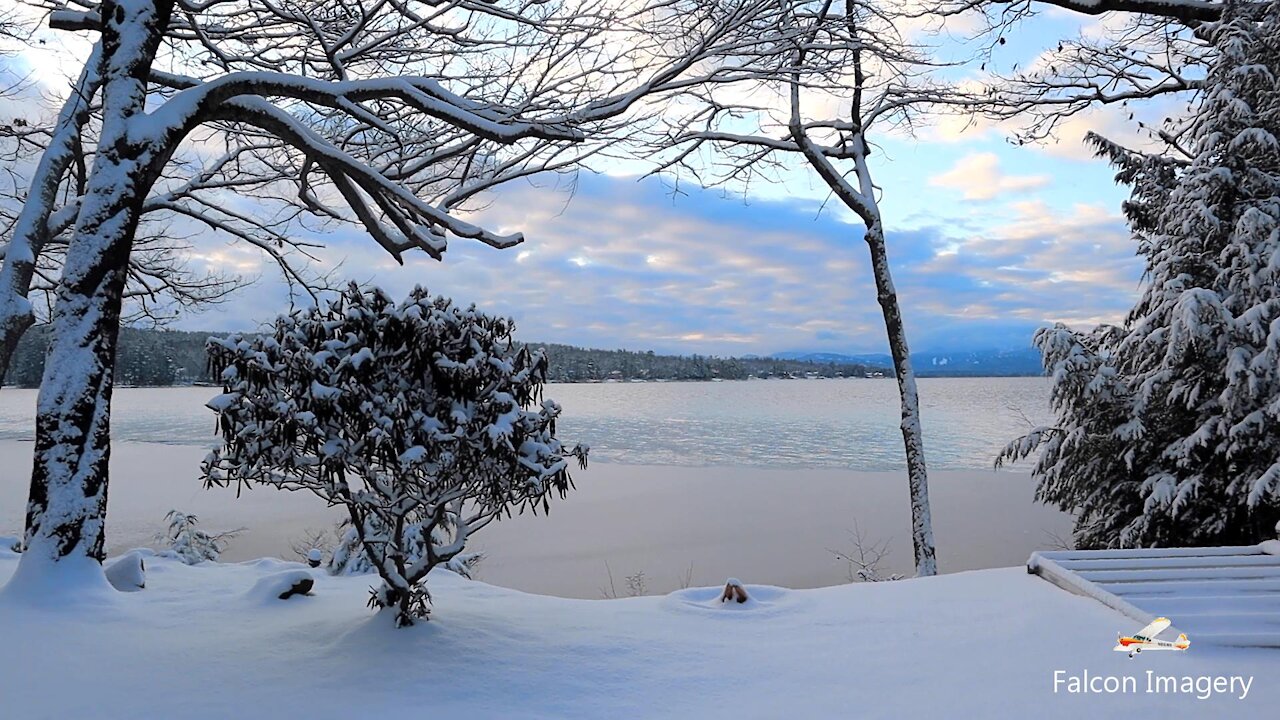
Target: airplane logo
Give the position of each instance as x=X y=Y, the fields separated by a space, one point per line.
x=1145 y=639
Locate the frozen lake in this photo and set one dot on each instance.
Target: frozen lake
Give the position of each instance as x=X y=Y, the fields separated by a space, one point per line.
x=851 y=424
x=756 y=479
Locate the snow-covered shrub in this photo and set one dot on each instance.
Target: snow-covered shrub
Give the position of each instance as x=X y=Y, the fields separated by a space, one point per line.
x=316 y=540
x=1166 y=426
x=349 y=557
x=189 y=542
x=421 y=418
x=636 y=585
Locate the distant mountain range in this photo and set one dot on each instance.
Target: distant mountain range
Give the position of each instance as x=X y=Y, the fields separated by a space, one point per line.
x=968 y=363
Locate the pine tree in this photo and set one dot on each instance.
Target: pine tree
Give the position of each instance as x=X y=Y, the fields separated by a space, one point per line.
x=1168 y=426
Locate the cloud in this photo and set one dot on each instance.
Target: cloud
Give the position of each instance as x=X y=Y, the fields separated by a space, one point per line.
x=978 y=177
x=1040 y=264
x=622 y=263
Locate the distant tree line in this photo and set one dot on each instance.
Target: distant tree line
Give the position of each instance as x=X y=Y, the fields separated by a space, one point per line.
x=574 y=364
x=158 y=358
x=144 y=357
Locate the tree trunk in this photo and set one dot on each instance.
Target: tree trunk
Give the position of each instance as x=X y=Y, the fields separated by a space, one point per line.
x=30 y=231
x=67 y=504
x=912 y=435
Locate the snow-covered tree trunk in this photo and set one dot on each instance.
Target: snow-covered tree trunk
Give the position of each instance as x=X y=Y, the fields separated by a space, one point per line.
x=67 y=502
x=912 y=433
x=30 y=231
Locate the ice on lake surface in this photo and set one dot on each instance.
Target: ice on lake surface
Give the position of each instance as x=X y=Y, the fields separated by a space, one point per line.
x=850 y=424
x=754 y=479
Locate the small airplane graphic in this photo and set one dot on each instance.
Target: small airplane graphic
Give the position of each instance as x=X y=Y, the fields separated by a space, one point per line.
x=1145 y=639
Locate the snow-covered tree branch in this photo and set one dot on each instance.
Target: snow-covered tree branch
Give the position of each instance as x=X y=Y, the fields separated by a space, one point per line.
x=1140 y=52
x=1142 y=60
x=388 y=116
x=1189 y=12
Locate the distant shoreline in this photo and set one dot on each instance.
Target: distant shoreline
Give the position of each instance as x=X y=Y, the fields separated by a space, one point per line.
x=173 y=358
x=927 y=376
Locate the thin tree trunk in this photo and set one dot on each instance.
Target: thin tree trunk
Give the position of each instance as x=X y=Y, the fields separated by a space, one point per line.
x=912 y=434
x=862 y=201
x=30 y=232
x=67 y=504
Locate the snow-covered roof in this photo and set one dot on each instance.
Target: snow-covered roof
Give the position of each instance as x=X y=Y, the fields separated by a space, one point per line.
x=1219 y=595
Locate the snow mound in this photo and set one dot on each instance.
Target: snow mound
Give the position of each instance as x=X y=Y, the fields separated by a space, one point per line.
x=762 y=600
x=72 y=583
x=164 y=554
x=281 y=586
x=1270 y=547
x=127 y=573
x=9 y=545
x=268 y=564
x=953 y=646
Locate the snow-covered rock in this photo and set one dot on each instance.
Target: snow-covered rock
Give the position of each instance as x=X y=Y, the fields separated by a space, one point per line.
x=281 y=586
x=9 y=544
x=1270 y=547
x=127 y=573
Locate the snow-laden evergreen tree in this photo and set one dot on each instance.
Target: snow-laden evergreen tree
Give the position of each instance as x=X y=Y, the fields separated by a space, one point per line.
x=1169 y=427
x=421 y=418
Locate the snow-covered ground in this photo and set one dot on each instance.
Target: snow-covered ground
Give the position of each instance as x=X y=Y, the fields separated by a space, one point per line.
x=209 y=642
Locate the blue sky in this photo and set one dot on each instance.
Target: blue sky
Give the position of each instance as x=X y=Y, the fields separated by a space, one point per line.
x=987 y=241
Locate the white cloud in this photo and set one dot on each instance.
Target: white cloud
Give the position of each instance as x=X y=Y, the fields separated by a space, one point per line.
x=978 y=177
